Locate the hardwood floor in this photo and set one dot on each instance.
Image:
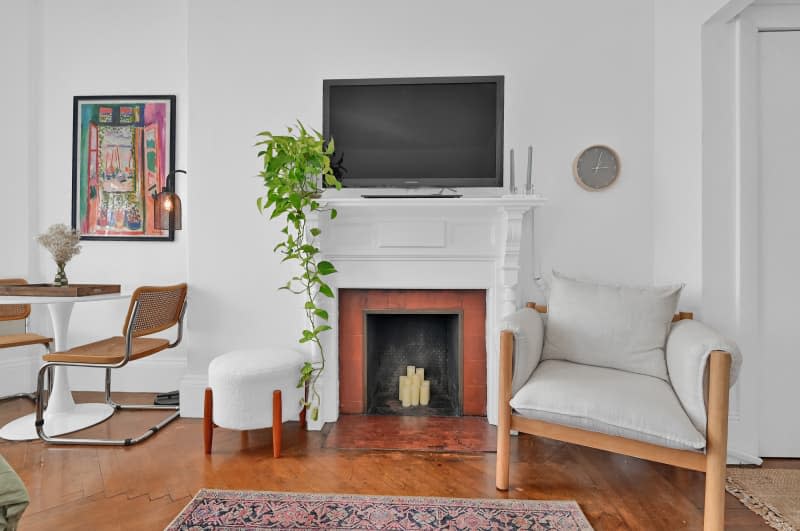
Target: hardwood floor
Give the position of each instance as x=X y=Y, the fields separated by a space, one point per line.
x=143 y=487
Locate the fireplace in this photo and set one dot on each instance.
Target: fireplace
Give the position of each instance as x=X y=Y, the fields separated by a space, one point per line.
x=431 y=340
x=383 y=331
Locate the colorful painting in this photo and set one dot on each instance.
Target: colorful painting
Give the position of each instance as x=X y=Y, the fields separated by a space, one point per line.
x=123 y=150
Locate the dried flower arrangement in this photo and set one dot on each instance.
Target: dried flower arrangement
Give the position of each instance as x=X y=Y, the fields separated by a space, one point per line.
x=63 y=243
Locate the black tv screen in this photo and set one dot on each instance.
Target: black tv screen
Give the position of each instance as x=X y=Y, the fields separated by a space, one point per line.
x=412 y=132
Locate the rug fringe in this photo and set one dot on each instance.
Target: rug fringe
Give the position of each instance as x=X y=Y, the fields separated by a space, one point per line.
x=770 y=514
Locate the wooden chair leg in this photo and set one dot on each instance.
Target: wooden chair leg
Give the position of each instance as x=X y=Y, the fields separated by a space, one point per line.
x=208 y=422
x=504 y=413
x=277 y=423
x=717 y=441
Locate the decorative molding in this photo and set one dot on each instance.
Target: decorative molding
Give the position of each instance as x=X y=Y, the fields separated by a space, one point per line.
x=481 y=248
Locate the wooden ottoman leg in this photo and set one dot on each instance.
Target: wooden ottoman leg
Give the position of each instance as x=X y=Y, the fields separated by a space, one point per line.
x=208 y=423
x=277 y=423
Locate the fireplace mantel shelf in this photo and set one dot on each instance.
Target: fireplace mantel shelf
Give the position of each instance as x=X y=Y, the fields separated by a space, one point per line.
x=438 y=202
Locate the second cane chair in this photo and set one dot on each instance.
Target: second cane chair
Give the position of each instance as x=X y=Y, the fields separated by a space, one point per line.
x=152 y=310
x=17 y=314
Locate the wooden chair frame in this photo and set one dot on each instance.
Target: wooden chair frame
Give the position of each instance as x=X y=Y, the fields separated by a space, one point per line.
x=130 y=334
x=712 y=462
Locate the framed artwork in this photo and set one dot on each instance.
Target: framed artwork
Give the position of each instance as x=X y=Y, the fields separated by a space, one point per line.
x=123 y=148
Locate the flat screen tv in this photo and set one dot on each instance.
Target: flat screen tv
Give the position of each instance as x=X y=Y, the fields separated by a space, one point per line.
x=416 y=132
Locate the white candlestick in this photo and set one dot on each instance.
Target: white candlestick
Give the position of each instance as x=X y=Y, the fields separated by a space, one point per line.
x=529 y=176
x=410 y=371
x=420 y=375
x=512 y=188
x=400 y=391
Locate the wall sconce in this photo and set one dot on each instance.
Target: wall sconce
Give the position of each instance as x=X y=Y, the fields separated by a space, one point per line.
x=168 y=205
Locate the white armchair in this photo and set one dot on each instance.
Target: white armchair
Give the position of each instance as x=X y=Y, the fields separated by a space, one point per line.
x=614 y=370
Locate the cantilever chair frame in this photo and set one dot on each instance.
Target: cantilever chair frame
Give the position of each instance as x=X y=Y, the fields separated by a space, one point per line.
x=712 y=462
x=129 y=337
x=25 y=315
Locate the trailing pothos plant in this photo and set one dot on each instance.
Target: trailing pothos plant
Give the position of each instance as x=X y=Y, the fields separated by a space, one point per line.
x=295 y=166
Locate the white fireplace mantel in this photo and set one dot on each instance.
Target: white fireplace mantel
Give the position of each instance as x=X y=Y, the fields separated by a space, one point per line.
x=426 y=243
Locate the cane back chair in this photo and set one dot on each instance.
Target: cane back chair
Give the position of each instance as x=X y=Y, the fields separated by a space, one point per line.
x=19 y=337
x=152 y=309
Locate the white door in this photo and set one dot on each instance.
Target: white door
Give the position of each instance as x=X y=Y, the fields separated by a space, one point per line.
x=779 y=359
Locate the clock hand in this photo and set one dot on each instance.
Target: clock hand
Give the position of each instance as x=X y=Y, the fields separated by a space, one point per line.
x=599 y=159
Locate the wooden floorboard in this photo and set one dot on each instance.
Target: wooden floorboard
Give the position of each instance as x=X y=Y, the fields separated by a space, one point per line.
x=145 y=486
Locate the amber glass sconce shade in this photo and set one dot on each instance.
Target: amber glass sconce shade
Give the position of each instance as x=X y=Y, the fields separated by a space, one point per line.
x=168 y=205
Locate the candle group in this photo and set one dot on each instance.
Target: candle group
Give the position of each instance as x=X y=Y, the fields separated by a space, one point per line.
x=415 y=390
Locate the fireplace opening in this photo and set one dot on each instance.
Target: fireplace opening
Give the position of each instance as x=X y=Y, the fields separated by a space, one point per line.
x=431 y=340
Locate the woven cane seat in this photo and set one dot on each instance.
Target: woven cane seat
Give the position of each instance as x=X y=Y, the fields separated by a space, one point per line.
x=108 y=351
x=22 y=340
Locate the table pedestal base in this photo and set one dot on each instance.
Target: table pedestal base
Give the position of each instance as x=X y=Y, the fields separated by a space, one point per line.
x=83 y=416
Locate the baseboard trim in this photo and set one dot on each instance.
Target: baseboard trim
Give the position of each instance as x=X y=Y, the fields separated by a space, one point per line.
x=736 y=457
x=192 y=387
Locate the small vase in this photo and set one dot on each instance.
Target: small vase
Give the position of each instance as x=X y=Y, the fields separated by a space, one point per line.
x=61 y=276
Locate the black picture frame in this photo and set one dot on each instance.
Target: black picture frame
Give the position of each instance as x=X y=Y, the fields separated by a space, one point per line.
x=123 y=148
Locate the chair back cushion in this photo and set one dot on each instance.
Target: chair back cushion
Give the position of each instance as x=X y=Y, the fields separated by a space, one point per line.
x=615 y=326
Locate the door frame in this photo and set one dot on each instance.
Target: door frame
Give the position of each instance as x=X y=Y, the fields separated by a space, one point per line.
x=731 y=197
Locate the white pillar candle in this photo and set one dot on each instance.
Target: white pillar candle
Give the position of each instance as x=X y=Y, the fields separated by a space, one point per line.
x=425 y=393
x=420 y=375
x=410 y=370
x=400 y=389
x=415 y=393
x=405 y=393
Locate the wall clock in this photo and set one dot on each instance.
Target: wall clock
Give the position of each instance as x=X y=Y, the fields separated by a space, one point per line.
x=596 y=167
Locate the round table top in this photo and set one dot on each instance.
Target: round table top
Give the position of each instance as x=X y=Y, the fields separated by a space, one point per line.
x=47 y=299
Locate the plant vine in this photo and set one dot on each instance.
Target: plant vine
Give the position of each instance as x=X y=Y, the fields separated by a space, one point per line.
x=295 y=166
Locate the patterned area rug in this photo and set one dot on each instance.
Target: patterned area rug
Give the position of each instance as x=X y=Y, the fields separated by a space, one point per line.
x=772 y=493
x=251 y=510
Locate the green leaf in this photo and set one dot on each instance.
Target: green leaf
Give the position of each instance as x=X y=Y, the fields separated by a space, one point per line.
x=325 y=268
x=326 y=290
x=315 y=231
x=310 y=305
x=334 y=213
x=322 y=314
x=258 y=204
x=322 y=328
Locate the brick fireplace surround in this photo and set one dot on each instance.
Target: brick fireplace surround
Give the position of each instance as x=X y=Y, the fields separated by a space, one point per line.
x=354 y=302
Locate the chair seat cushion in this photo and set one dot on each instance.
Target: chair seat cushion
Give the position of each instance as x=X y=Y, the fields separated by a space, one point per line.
x=21 y=340
x=108 y=351
x=610 y=401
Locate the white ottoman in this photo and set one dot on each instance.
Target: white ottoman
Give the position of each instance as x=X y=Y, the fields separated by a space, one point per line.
x=243 y=384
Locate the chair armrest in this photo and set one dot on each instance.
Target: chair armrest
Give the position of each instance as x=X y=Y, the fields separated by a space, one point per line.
x=528 y=329
x=689 y=347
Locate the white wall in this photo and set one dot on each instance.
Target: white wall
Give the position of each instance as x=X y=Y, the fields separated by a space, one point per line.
x=18 y=62
x=678 y=148
x=95 y=47
x=570 y=81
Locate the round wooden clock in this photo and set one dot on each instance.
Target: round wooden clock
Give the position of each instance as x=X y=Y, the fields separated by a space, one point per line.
x=596 y=167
